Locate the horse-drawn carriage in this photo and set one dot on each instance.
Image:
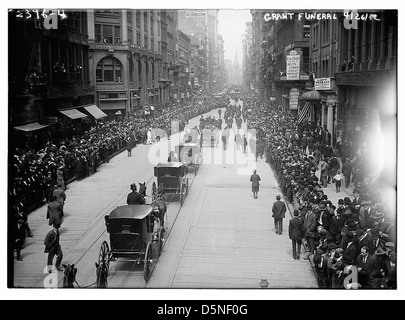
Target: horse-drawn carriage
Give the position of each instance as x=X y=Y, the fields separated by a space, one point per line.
x=136 y=234
x=171 y=180
x=210 y=136
x=190 y=155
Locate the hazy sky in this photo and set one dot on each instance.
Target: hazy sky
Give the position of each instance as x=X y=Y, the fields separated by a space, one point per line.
x=232 y=26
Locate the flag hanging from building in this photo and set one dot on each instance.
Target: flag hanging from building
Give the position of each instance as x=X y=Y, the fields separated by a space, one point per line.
x=305 y=112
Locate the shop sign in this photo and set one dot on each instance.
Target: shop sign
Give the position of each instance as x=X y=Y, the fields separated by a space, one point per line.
x=293 y=66
x=322 y=84
x=294 y=95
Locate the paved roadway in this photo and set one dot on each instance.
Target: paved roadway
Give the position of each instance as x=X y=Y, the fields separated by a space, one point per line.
x=221 y=237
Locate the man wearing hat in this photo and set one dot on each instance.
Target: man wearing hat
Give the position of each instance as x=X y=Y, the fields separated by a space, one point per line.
x=380 y=268
x=323 y=216
x=320 y=261
x=296 y=234
x=279 y=209
x=255 y=179
x=19 y=238
x=134 y=197
x=60 y=196
x=335 y=264
x=310 y=228
x=53 y=248
x=350 y=248
x=365 y=215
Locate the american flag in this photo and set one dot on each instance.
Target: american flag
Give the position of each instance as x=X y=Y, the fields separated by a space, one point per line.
x=305 y=112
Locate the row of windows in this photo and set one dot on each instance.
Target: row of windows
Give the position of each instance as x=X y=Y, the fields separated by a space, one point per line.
x=105 y=33
x=110 y=70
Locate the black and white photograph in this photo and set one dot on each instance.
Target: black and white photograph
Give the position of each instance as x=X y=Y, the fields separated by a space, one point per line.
x=249 y=147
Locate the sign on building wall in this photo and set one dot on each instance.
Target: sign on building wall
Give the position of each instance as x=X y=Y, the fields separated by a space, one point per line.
x=294 y=96
x=293 y=66
x=195 y=14
x=322 y=84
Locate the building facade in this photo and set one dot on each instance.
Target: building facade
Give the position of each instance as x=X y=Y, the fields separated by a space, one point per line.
x=126 y=59
x=48 y=73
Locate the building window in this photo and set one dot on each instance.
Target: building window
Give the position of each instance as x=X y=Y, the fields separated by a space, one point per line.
x=138 y=20
x=306 y=31
x=107 y=33
x=138 y=38
x=131 y=71
x=145 y=38
x=129 y=35
x=109 y=70
x=152 y=42
x=145 y=22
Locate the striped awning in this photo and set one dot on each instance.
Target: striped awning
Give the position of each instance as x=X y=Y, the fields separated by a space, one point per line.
x=311 y=96
x=95 y=111
x=31 y=127
x=73 y=113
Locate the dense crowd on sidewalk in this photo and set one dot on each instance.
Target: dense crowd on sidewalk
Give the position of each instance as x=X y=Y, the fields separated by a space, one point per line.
x=34 y=174
x=355 y=231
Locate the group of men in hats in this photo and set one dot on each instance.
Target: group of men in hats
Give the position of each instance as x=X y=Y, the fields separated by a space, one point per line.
x=353 y=232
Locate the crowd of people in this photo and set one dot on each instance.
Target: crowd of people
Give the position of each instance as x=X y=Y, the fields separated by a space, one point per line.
x=356 y=232
x=35 y=174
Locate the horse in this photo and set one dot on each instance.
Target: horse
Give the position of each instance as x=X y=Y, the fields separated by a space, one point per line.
x=102 y=274
x=69 y=275
x=142 y=188
x=160 y=207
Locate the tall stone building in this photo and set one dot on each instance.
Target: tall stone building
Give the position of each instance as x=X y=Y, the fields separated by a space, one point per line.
x=126 y=59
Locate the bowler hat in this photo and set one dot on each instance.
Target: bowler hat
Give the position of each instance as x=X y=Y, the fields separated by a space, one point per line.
x=316 y=259
x=380 y=251
x=350 y=235
x=322 y=206
x=340 y=201
x=347 y=200
x=390 y=245
x=133 y=186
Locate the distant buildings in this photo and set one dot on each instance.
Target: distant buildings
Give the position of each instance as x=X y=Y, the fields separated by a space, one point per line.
x=344 y=73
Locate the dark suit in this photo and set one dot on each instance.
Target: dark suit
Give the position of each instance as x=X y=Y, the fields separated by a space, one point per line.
x=135 y=198
x=350 y=254
x=54 y=213
x=296 y=233
x=310 y=230
x=52 y=247
x=19 y=239
x=279 y=209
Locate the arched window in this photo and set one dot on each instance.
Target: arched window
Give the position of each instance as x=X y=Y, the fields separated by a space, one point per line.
x=109 y=70
x=153 y=72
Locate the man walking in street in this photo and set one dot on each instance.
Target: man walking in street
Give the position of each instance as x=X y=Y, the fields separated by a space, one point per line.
x=279 y=209
x=60 y=196
x=53 y=248
x=255 y=178
x=296 y=233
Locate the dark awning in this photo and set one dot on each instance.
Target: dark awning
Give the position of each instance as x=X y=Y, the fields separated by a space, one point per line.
x=31 y=127
x=73 y=113
x=311 y=96
x=95 y=111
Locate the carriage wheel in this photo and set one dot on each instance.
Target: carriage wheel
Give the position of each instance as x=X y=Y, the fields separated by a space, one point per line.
x=147 y=262
x=103 y=260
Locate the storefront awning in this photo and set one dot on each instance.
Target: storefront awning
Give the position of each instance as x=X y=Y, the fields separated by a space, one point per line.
x=311 y=96
x=73 y=113
x=95 y=111
x=31 y=127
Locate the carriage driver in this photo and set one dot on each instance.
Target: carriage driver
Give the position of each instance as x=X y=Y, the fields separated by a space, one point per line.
x=134 y=197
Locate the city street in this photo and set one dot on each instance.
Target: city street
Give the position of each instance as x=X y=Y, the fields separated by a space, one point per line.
x=220 y=238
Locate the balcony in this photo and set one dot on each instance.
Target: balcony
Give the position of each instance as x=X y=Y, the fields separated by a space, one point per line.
x=66 y=77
